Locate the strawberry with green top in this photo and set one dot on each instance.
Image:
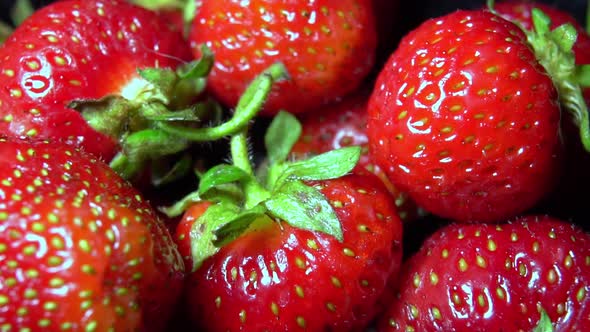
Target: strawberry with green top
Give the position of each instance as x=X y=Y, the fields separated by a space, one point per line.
x=310 y=247
x=328 y=47
x=530 y=272
x=80 y=249
x=101 y=75
x=343 y=124
x=465 y=116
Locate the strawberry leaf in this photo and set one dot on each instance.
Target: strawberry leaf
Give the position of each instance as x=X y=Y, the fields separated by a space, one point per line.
x=202 y=234
x=329 y=165
x=544 y=324
x=583 y=75
x=238 y=225
x=220 y=174
x=304 y=207
x=282 y=133
x=179 y=207
x=565 y=35
x=20 y=11
x=199 y=68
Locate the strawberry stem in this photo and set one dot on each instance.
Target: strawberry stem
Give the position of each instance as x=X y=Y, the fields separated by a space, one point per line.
x=250 y=103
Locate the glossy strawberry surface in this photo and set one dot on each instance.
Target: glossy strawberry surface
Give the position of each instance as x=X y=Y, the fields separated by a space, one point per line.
x=345 y=124
x=328 y=47
x=80 y=249
x=78 y=50
x=465 y=120
x=483 y=277
x=279 y=278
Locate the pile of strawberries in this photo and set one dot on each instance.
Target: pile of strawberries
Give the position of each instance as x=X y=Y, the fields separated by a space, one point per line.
x=225 y=165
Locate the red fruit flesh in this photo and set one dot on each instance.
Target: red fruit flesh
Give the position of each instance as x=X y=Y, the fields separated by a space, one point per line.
x=76 y=50
x=278 y=278
x=327 y=46
x=345 y=124
x=465 y=120
x=482 y=277
x=79 y=247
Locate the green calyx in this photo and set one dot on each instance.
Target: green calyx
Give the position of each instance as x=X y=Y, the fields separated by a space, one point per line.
x=242 y=201
x=553 y=49
x=187 y=8
x=155 y=118
x=544 y=324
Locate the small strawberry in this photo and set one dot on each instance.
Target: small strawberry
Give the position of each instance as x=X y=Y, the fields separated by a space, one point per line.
x=310 y=248
x=465 y=119
x=80 y=249
x=482 y=277
x=344 y=124
x=328 y=47
x=97 y=74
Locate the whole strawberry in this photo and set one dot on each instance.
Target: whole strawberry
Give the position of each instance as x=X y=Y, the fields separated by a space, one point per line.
x=343 y=124
x=80 y=249
x=465 y=119
x=482 y=277
x=328 y=47
x=310 y=247
x=71 y=72
x=277 y=277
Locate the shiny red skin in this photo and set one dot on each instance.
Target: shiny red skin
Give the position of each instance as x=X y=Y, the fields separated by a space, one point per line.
x=520 y=12
x=326 y=54
x=99 y=45
x=79 y=245
x=310 y=278
x=465 y=120
x=344 y=124
x=511 y=268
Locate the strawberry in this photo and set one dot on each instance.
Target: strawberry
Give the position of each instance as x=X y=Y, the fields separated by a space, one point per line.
x=81 y=250
x=465 y=119
x=483 y=277
x=327 y=46
x=267 y=255
x=345 y=124
x=75 y=71
x=520 y=12
x=277 y=277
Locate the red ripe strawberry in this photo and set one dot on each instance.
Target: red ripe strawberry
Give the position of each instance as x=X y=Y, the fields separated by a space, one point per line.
x=80 y=249
x=328 y=47
x=276 y=277
x=482 y=277
x=344 y=124
x=465 y=120
x=520 y=12
x=81 y=50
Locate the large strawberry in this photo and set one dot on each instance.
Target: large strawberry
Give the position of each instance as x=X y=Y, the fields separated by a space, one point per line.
x=482 y=277
x=328 y=47
x=309 y=248
x=465 y=119
x=344 y=124
x=80 y=249
x=96 y=74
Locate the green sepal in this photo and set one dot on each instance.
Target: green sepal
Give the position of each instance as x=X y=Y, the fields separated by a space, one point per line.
x=5 y=31
x=178 y=208
x=20 y=11
x=189 y=115
x=583 y=75
x=328 y=165
x=553 y=50
x=202 y=234
x=199 y=68
x=220 y=175
x=545 y=324
x=237 y=226
x=281 y=135
x=162 y=173
x=163 y=81
x=304 y=207
x=111 y=115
